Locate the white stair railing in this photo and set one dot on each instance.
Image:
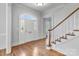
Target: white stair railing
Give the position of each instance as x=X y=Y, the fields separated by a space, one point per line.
x=63 y=29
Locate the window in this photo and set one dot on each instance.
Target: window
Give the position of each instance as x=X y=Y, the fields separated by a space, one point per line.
x=28 y=23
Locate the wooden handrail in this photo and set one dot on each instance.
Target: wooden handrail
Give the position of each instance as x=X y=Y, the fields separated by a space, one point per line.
x=64 y=20
x=60 y=24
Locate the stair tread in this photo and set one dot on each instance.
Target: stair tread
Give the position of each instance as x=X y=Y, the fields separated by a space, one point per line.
x=58 y=40
x=63 y=38
x=76 y=30
x=68 y=34
x=54 y=42
x=71 y=34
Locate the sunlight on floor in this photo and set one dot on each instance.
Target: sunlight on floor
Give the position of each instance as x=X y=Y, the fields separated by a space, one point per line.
x=23 y=53
x=35 y=51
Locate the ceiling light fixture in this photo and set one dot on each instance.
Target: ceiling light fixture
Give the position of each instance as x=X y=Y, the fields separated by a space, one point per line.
x=40 y=4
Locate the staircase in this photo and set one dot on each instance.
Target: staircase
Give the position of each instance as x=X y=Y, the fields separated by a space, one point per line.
x=65 y=30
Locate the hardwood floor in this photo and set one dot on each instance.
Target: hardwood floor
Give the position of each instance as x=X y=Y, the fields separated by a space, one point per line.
x=34 y=48
x=2 y=52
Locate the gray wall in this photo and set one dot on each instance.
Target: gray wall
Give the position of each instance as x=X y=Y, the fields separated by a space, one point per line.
x=2 y=25
x=17 y=10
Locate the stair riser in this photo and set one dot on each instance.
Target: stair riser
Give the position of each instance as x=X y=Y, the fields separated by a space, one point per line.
x=70 y=37
x=76 y=33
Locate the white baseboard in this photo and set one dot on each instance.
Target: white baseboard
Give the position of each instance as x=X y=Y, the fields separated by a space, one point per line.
x=17 y=43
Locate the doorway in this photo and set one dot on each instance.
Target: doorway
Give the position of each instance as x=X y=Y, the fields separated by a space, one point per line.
x=47 y=24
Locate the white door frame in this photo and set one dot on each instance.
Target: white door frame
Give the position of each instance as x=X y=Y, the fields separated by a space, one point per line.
x=8 y=28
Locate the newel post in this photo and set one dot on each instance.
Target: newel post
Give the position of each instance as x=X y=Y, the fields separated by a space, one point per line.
x=48 y=40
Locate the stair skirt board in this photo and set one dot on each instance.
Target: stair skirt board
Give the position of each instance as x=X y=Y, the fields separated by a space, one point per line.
x=68 y=47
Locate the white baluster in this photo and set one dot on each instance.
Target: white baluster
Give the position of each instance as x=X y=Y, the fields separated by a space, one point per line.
x=74 y=22
x=78 y=21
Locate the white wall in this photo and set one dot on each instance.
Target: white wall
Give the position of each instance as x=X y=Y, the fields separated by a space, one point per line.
x=17 y=10
x=2 y=25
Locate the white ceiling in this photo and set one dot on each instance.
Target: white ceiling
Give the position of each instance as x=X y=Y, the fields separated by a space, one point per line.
x=48 y=6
